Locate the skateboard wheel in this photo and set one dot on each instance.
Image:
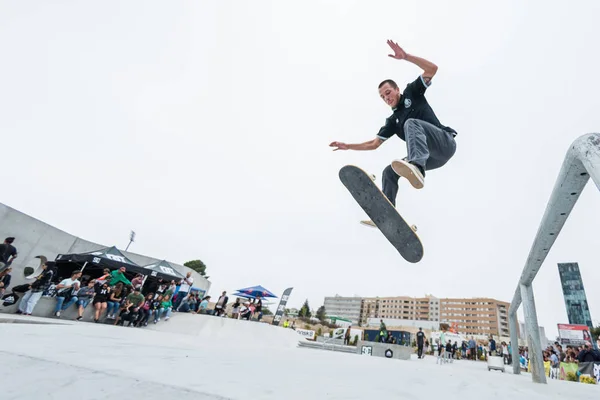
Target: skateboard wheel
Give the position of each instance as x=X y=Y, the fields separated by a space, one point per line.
x=373 y=178
x=413 y=227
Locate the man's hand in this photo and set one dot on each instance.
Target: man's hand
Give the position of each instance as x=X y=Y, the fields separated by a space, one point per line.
x=399 y=53
x=338 y=146
x=429 y=68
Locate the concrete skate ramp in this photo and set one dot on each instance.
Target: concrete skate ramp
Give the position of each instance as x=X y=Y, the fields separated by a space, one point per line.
x=229 y=331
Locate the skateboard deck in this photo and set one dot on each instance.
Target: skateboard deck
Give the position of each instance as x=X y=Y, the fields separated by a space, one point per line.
x=382 y=212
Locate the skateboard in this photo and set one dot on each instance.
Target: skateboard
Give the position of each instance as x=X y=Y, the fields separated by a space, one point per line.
x=385 y=216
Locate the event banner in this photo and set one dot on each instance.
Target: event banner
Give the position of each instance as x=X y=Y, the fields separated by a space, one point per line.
x=590 y=368
x=308 y=334
x=575 y=335
x=281 y=307
x=565 y=368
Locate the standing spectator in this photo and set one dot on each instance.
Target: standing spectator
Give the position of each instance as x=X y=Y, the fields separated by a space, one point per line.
x=119 y=276
x=221 y=304
x=4 y=280
x=171 y=289
x=8 y=253
x=184 y=289
x=161 y=289
x=472 y=349
x=258 y=308
x=347 y=336
x=137 y=281
x=84 y=295
x=100 y=299
x=492 y=346
x=420 y=342
x=235 y=309
x=36 y=289
x=106 y=276
x=67 y=290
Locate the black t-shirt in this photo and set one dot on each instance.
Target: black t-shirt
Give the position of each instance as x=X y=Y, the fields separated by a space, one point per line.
x=6 y=251
x=412 y=104
x=420 y=336
x=101 y=294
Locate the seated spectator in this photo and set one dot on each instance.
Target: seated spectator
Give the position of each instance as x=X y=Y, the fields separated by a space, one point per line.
x=100 y=299
x=245 y=311
x=114 y=301
x=166 y=307
x=36 y=289
x=155 y=308
x=66 y=292
x=145 y=310
x=4 y=280
x=187 y=304
x=84 y=295
x=203 y=306
x=133 y=303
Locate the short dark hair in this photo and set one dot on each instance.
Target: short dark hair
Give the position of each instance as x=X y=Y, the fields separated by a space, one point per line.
x=9 y=239
x=390 y=82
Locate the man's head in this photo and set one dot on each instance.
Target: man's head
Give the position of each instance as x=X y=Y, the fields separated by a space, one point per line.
x=389 y=92
x=9 y=240
x=76 y=275
x=189 y=274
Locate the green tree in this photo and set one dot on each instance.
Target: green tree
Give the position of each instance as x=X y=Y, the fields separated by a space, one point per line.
x=305 y=310
x=196 y=265
x=321 y=313
x=595 y=332
x=266 y=311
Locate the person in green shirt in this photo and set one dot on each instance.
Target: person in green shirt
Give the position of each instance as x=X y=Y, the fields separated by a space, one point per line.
x=166 y=306
x=119 y=276
x=133 y=303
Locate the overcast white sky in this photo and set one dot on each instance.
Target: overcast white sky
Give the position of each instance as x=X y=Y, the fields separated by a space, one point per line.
x=204 y=126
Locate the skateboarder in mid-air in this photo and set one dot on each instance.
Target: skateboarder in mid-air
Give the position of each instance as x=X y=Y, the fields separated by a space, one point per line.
x=429 y=143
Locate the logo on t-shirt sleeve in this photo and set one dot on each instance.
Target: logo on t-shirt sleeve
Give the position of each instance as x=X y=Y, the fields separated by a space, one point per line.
x=407 y=103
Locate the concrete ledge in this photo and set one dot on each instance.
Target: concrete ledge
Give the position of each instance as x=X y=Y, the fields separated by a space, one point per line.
x=45 y=308
x=384 y=350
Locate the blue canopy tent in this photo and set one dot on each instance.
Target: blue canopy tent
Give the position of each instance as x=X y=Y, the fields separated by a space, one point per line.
x=254 y=292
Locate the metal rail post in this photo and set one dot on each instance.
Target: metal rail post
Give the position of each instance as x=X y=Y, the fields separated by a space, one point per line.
x=582 y=161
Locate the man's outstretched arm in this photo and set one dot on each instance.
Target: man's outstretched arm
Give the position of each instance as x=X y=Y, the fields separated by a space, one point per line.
x=429 y=68
x=370 y=145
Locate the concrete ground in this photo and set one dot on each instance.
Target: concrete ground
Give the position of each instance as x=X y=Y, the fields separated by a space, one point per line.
x=216 y=358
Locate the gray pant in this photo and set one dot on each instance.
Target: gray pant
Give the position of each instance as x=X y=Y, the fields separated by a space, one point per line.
x=427 y=145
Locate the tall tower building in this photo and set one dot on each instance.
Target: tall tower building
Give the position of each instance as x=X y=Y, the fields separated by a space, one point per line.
x=574 y=294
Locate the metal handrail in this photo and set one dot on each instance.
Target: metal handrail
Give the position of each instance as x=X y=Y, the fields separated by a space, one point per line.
x=582 y=161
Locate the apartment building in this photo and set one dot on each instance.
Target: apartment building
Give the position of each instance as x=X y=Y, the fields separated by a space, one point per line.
x=344 y=307
x=400 y=307
x=476 y=316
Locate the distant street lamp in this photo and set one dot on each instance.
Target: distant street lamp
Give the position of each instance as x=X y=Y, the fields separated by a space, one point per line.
x=131 y=239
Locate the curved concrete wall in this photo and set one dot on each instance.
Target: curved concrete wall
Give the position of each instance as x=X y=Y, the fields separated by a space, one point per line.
x=34 y=238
